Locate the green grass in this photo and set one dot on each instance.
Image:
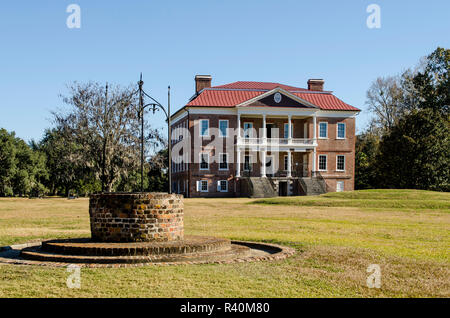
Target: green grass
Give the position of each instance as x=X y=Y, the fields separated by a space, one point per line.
x=336 y=237
x=385 y=199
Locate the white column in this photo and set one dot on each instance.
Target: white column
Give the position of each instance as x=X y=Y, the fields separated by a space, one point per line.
x=315 y=127
x=314 y=162
x=239 y=125
x=289 y=129
x=263 y=164
x=264 y=134
x=238 y=162
x=289 y=173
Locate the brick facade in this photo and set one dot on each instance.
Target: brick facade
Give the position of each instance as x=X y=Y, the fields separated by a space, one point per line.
x=276 y=113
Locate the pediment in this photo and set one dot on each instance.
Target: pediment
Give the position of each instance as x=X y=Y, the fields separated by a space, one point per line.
x=278 y=98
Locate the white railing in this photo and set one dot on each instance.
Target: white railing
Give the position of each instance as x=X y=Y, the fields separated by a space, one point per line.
x=276 y=141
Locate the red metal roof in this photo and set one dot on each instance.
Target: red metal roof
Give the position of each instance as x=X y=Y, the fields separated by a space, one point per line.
x=233 y=94
x=259 y=85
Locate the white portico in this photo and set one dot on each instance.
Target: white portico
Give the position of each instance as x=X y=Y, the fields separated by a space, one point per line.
x=272 y=130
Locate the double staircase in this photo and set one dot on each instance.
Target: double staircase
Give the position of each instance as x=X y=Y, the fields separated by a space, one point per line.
x=261 y=188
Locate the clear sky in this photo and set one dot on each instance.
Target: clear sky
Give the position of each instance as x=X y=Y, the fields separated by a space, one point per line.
x=171 y=41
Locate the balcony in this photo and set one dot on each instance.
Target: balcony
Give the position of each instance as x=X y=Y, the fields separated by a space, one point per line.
x=277 y=142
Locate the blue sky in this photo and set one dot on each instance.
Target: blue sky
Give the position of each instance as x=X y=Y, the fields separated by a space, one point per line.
x=171 y=41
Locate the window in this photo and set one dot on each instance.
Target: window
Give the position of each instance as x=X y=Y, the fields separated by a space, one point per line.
x=204 y=128
x=340 y=131
x=247 y=163
x=323 y=130
x=286 y=129
x=248 y=127
x=339 y=186
x=223 y=163
x=322 y=162
x=223 y=127
x=340 y=163
x=222 y=186
x=204 y=161
x=202 y=186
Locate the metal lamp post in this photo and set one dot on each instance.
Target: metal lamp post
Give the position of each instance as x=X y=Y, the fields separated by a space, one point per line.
x=155 y=106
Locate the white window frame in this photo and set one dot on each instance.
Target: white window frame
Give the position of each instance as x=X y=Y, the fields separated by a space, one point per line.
x=337 y=131
x=220 y=161
x=219 y=186
x=250 y=163
x=326 y=123
x=199 y=186
x=337 y=169
x=343 y=186
x=200 y=162
x=326 y=162
x=285 y=130
x=201 y=125
x=226 y=130
x=250 y=135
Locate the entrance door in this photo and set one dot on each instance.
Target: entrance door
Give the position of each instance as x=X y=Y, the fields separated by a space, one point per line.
x=282 y=189
x=270 y=165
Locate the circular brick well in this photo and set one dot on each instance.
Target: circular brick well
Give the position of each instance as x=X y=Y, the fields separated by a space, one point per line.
x=136 y=217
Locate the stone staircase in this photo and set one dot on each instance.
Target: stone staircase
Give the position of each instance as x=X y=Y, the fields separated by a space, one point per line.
x=261 y=188
x=313 y=186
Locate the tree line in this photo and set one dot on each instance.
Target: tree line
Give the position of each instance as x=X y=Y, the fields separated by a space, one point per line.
x=95 y=142
x=406 y=144
x=93 y=146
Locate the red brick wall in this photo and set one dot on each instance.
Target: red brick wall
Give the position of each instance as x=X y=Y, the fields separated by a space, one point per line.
x=333 y=147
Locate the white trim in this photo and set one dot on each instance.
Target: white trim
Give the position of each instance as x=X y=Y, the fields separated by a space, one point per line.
x=226 y=130
x=337 y=131
x=200 y=186
x=337 y=113
x=337 y=162
x=323 y=122
x=282 y=91
x=326 y=162
x=200 y=161
x=178 y=117
x=281 y=111
x=212 y=110
x=220 y=159
x=219 y=186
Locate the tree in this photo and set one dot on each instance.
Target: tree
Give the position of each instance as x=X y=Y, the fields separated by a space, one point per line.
x=105 y=124
x=416 y=153
x=429 y=87
x=384 y=99
x=22 y=170
x=158 y=171
x=365 y=169
x=7 y=162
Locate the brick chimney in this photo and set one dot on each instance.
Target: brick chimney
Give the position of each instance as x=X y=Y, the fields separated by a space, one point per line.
x=315 y=84
x=201 y=82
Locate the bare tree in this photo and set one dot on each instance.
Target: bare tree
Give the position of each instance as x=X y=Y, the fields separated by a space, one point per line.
x=384 y=99
x=105 y=122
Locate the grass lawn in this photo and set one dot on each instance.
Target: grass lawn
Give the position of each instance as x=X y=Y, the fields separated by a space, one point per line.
x=337 y=236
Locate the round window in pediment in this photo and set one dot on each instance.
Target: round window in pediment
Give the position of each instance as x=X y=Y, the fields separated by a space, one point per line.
x=277 y=97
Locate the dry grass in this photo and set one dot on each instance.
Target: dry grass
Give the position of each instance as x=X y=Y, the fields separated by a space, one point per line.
x=334 y=247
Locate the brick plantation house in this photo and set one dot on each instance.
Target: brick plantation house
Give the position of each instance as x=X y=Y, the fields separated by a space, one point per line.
x=262 y=139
